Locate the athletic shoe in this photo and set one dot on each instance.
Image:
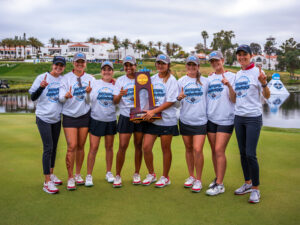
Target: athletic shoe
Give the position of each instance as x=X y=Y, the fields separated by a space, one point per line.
x=136 y=179
x=212 y=183
x=117 y=182
x=55 y=179
x=109 y=177
x=254 y=196
x=150 y=178
x=50 y=188
x=89 y=181
x=215 y=190
x=246 y=188
x=71 y=184
x=197 y=186
x=162 y=182
x=78 y=179
x=189 y=182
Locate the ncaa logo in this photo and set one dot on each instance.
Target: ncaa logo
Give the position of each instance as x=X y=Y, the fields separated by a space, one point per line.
x=215 y=89
x=277 y=85
x=241 y=86
x=52 y=92
x=193 y=92
x=105 y=96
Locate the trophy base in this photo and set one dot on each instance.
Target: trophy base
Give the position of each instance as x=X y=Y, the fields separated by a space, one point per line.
x=138 y=115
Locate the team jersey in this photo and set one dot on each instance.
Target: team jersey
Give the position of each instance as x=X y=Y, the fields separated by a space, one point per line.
x=77 y=105
x=248 y=91
x=220 y=109
x=101 y=97
x=48 y=107
x=165 y=92
x=193 y=106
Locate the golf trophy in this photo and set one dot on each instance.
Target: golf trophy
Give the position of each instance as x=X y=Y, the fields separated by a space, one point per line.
x=143 y=84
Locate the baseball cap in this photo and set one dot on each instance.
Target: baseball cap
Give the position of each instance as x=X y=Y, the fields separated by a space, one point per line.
x=130 y=59
x=215 y=55
x=193 y=59
x=79 y=55
x=107 y=63
x=59 y=59
x=163 y=58
x=244 y=48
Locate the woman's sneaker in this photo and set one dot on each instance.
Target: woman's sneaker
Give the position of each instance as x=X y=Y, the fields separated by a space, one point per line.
x=150 y=178
x=50 y=188
x=55 y=180
x=245 y=188
x=254 y=196
x=89 y=181
x=197 y=186
x=212 y=183
x=109 y=177
x=78 y=179
x=162 y=182
x=136 y=179
x=117 y=182
x=71 y=184
x=189 y=182
x=215 y=190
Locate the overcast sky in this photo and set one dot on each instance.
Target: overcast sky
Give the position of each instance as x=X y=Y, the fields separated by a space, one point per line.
x=157 y=20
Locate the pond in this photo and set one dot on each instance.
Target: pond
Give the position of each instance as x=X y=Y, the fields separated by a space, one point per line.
x=281 y=111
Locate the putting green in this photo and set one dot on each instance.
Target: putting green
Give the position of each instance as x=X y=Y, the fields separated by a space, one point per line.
x=22 y=200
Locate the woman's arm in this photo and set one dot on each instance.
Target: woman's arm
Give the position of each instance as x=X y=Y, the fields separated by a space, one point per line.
x=150 y=113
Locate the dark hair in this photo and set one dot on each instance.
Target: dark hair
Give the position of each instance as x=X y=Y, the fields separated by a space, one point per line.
x=198 y=77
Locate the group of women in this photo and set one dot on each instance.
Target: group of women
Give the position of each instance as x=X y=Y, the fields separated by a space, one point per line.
x=211 y=106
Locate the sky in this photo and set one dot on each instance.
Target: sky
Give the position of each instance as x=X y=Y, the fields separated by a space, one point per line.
x=151 y=20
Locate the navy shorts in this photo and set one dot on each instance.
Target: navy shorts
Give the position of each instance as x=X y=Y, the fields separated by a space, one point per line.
x=101 y=128
x=81 y=121
x=186 y=129
x=126 y=126
x=214 y=128
x=153 y=129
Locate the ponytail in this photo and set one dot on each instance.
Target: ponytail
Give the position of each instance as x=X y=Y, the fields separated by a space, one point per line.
x=198 y=77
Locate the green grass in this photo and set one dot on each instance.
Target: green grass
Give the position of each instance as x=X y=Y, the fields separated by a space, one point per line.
x=23 y=201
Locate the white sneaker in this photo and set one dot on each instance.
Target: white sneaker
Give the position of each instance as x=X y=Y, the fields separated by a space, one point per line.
x=162 y=182
x=109 y=177
x=197 y=186
x=50 y=188
x=254 y=196
x=189 y=182
x=71 y=184
x=150 y=178
x=245 y=188
x=215 y=190
x=117 y=182
x=136 y=179
x=213 y=183
x=78 y=179
x=89 y=181
x=55 y=179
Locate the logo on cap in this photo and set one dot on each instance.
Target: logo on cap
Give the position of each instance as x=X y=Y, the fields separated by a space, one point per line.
x=80 y=55
x=213 y=54
x=128 y=58
x=192 y=58
x=162 y=57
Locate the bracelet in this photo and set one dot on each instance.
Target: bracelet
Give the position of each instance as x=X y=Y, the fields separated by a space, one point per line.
x=264 y=85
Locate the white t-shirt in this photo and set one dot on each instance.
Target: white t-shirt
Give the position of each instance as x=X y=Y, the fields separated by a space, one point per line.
x=165 y=92
x=127 y=101
x=193 y=106
x=248 y=91
x=220 y=109
x=48 y=108
x=75 y=106
x=102 y=106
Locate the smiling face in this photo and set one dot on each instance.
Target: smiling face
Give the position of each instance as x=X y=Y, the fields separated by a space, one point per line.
x=57 y=69
x=161 y=67
x=129 y=69
x=107 y=73
x=243 y=58
x=79 y=65
x=192 y=68
x=217 y=64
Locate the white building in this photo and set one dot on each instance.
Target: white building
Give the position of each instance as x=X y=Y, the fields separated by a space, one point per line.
x=263 y=60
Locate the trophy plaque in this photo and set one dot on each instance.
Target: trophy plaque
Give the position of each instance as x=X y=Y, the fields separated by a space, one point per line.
x=143 y=83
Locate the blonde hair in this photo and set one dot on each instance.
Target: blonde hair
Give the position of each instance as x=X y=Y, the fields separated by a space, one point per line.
x=167 y=74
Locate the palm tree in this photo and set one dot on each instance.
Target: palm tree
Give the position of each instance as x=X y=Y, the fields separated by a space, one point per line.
x=16 y=43
x=168 y=48
x=68 y=41
x=159 y=44
x=24 y=43
x=52 y=42
x=205 y=37
x=116 y=44
x=91 y=39
x=9 y=43
x=150 y=44
x=2 y=43
x=63 y=41
x=126 y=44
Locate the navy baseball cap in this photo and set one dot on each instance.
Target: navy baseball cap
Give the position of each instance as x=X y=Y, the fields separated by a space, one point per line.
x=244 y=48
x=59 y=59
x=107 y=63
